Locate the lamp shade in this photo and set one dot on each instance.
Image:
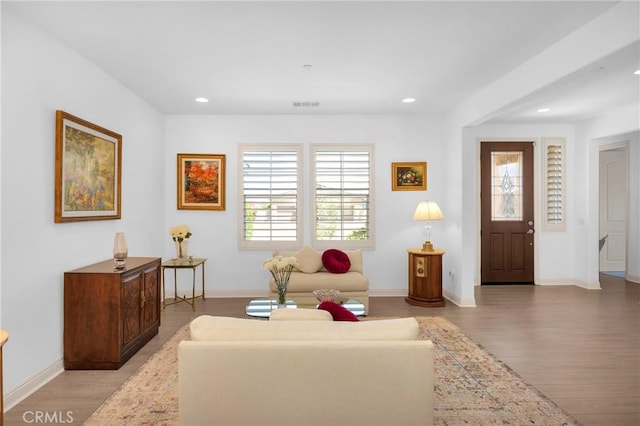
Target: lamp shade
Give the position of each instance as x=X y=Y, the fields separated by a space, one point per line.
x=427 y=211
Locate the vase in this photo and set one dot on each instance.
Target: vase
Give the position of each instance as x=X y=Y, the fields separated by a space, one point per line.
x=202 y=191
x=120 y=250
x=282 y=295
x=182 y=249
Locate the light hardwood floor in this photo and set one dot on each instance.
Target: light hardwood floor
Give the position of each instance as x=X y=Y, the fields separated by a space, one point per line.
x=580 y=348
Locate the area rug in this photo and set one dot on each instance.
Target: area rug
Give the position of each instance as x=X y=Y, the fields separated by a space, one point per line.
x=471 y=386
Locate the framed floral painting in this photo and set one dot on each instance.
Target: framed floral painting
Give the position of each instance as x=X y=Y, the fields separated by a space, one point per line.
x=201 y=181
x=409 y=176
x=87 y=171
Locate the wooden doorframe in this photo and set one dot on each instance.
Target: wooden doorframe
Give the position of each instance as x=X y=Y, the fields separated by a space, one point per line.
x=536 y=200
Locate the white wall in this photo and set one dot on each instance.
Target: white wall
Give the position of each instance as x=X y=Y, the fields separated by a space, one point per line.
x=40 y=75
x=633 y=239
x=231 y=271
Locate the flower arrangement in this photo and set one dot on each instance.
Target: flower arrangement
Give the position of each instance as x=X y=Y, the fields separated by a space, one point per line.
x=203 y=174
x=280 y=268
x=408 y=177
x=180 y=234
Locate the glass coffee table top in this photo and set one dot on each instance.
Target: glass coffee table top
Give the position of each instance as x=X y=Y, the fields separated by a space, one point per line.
x=261 y=308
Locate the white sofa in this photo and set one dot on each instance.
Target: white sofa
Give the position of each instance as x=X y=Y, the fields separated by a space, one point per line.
x=294 y=372
x=311 y=275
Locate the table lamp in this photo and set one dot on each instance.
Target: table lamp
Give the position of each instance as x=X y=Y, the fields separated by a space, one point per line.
x=427 y=211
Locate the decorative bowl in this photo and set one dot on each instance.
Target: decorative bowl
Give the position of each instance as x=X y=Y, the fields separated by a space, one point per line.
x=326 y=295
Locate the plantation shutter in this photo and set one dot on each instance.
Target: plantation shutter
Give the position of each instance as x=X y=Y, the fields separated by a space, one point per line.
x=554 y=185
x=343 y=183
x=270 y=197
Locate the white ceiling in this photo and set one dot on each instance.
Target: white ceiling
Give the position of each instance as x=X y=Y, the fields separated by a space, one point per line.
x=249 y=57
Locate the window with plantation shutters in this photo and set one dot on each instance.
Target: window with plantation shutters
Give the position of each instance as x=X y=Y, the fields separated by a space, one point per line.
x=342 y=179
x=554 y=184
x=270 y=196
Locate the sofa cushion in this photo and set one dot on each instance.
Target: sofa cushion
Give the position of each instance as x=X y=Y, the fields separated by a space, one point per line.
x=336 y=261
x=355 y=257
x=300 y=315
x=208 y=327
x=338 y=312
x=309 y=260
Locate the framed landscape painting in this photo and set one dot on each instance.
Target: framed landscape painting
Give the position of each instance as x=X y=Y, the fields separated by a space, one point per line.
x=87 y=171
x=201 y=181
x=409 y=176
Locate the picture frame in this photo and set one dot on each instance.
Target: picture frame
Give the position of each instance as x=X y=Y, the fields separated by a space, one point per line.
x=201 y=181
x=409 y=176
x=88 y=171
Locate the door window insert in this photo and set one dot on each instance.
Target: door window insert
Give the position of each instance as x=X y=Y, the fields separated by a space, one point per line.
x=506 y=186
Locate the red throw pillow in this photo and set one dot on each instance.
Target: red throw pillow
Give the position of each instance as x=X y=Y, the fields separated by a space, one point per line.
x=336 y=261
x=338 y=312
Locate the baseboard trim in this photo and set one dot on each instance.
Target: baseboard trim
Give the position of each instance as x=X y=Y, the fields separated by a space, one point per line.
x=16 y=395
x=380 y=292
x=559 y=281
x=569 y=281
x=392 y=292
x=463 y=303
x=220 y=293
x=388 y=292
x=633 y=278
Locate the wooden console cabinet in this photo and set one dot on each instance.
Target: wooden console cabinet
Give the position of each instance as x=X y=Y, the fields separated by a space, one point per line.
x=110 y=314
x=425 y=278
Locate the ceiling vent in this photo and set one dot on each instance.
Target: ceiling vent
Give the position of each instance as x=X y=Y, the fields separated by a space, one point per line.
x=305 y=104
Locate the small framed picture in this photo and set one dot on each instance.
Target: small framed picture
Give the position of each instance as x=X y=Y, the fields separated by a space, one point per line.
x=409 y=176
x=87 y=171
x=201 y=181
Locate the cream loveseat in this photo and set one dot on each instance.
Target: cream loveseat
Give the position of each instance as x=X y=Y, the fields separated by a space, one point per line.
x=298 y=372
x=310 y=274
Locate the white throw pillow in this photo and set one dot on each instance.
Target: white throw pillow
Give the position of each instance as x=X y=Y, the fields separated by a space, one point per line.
x=355 y=257
x=309 y=260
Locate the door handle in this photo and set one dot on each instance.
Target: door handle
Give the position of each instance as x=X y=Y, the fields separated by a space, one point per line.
x=530 y=231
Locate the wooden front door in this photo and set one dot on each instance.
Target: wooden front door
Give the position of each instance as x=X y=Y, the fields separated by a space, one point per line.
x=506 y=183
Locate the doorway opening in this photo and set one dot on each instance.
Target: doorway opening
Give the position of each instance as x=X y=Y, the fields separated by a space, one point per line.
x=613 y=208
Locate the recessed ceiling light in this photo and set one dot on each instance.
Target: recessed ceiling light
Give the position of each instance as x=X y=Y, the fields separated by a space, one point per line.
x=202 y=100
x=637 y=72
x=307 y=67
x=544 y=110
x=408 y=100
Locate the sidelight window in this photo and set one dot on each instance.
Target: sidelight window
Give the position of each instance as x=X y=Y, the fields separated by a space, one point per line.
x=553 y=209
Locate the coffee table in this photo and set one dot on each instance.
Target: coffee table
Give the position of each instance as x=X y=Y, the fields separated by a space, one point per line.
x=261 y=308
